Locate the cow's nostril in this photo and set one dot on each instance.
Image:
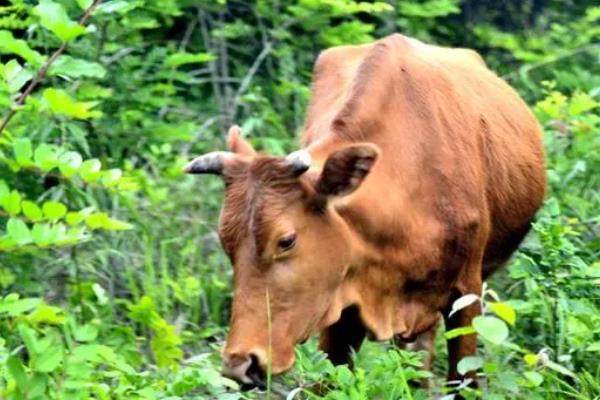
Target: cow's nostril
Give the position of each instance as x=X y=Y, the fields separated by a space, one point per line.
x=244 y=368
x=255 y=372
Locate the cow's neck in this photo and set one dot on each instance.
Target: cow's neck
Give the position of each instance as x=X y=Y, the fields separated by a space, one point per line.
x=355 y=211
x=358 y=211
x=368 y=283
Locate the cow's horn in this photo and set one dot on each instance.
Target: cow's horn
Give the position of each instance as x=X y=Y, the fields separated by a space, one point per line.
x=299 y=161
x=211 y=163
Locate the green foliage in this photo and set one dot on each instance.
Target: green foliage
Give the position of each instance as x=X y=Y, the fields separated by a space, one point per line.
x=107 y=309
x=10 y=45
x=165 y=343
x=53 y=17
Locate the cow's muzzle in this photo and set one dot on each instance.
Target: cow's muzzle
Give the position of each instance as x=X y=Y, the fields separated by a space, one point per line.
x=245 y=369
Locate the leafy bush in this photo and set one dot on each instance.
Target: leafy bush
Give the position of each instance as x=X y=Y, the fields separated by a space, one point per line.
x=112 y=283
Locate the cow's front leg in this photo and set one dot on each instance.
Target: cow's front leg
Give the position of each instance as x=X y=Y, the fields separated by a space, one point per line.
x=464 y=345
x=339 y=339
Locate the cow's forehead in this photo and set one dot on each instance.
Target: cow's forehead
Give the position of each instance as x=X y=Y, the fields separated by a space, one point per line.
x=255 y=198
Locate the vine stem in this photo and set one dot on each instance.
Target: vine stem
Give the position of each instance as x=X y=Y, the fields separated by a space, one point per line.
x=39 y=77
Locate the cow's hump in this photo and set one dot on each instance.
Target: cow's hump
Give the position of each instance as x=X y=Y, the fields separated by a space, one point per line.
x=352 y=84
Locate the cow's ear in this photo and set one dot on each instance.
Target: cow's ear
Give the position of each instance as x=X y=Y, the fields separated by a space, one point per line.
x=346 y=169
x=237 y=144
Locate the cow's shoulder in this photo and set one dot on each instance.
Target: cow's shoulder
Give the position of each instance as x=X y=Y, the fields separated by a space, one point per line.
x=335 y=68
x=333 y=75
x=352 y=84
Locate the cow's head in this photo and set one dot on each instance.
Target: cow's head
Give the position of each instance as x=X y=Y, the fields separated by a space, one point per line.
x=289 y=248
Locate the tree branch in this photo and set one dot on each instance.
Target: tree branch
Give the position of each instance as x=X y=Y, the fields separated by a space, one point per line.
x=245 y=83
x=44 y=70
x=228 y=112
x=214 y=73
x=121 y=53
x=187 y=35
x=251 y=72
x=525 y=69
x=198 y=135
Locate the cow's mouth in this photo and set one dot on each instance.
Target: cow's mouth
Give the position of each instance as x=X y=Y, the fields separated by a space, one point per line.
x=256 y=375
x=407 y=338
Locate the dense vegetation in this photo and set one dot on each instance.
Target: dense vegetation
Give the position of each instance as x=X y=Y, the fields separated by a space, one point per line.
x=112 y=282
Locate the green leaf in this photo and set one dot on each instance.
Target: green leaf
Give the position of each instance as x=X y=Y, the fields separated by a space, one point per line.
x=90 y=170
x=12 y=204
x=73 y=218
x=84 y=4
x=581 y=103
x=38 y=385
x=469 y=363
x=112 y=224
x=15 y=76
x=46 y=314
x=100 y=293
x=32 y=211
x=49 y=360
x=16 y=307
x=77 y=68
x=463 y=302
x=75 y=235
x=351 y=32
x=429 y=9
x=530 y=359
x=4 y=191
x=93 y=353
x=534 y=378
x=23 y=151
x=118 y=6
x=45 y=157
x=111 y=177
x=594 y=347
x=491 y=329
x=96 y=220
x=504 y=311
x=86 y=333
x=18 y=231
x=100 y=220
x=29 y=336
x=177 y=59
x=17 y=371
x=54 y=17
x=461 y=331
x=10 y=45
x=76 y=217
x=54 y=210
x=559 y=368
x=89 y=90
x=59 y=232
x=69 y=163
x=59 y=102
x=42 y=235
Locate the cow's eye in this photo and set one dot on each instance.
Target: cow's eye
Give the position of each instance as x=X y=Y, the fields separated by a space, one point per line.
x=287 y=242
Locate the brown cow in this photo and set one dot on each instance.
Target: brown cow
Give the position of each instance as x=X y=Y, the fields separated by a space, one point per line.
x=420 y=175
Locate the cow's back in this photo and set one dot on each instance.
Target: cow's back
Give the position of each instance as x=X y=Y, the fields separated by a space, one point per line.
x=458 y=144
